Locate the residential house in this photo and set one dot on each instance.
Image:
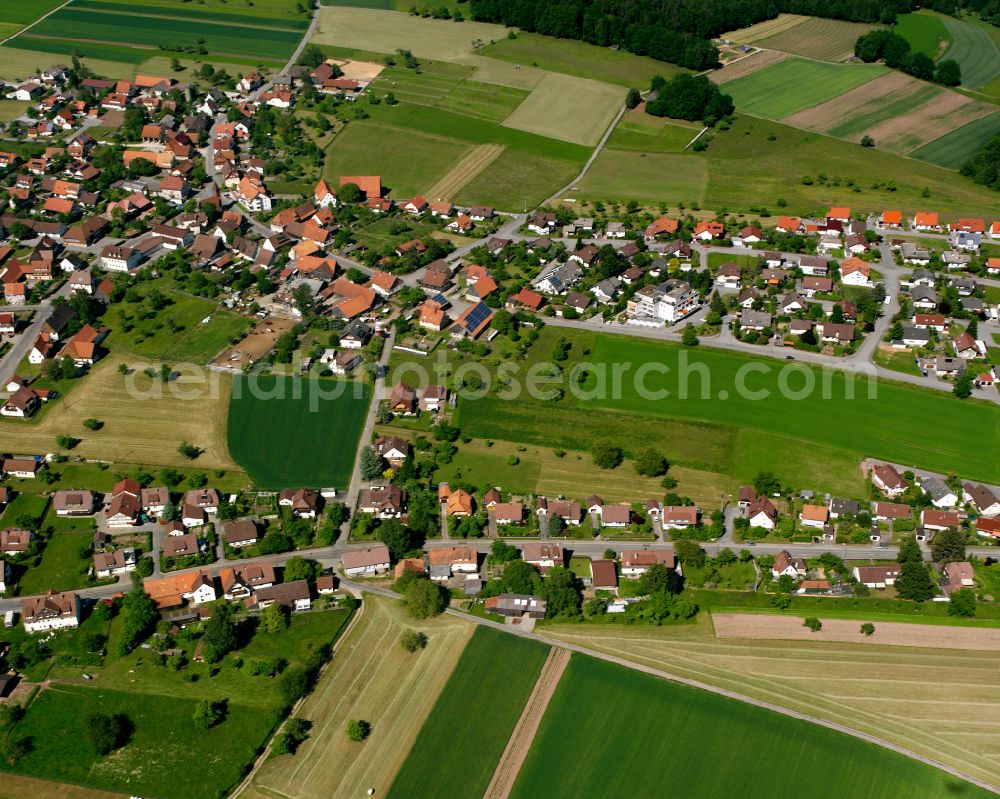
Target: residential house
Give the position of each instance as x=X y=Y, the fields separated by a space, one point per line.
x=636 y=562
x=543 y=555
x=73 y=502
x=51 y=611
x=366 y=562
x=785 y=564
x=940 y=493
x=888 y=480
x=241 y=533
x=877 y=576
x=383 y=502
x=304 y=502
x=296 y=596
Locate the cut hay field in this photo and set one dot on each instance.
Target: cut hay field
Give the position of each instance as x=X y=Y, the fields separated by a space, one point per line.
x=673 y=731
x=567 y=108
x=897 y=111
x=904 y=696
x=794 y=84
x=366 y=148
x=925 y=31
x=863 y=424
x=467 y=730
x=976 y=52
x=746 y=65
x=144 y=429
x=955 y=148
x=296 y=432
x=373 y=678
x=477 y=160
x=581 y=59
x=824 y=39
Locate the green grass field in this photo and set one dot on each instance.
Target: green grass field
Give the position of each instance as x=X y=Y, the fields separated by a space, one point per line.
x=287 y=440
x=463 y=738
x=794 y=84
x=62 y=566
x=372 y=149
x=580 y=59
x=189 y=338
x=635 y=133
x=955 y=148
x=649 y=177
x=19 y=13
x=975 y=51
x=157 y=760
x=669 y=734
x=568 y=108
x=863 y=425
x=924 y=31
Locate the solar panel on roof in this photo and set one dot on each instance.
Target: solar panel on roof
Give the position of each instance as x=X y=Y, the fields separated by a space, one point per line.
x=477 y=315
x=441 y=300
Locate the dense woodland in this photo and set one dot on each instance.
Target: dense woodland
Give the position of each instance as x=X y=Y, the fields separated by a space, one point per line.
x=984 y=167
x=676 y=31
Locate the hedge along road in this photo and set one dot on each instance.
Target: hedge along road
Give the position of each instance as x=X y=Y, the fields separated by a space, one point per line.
x=675 y=678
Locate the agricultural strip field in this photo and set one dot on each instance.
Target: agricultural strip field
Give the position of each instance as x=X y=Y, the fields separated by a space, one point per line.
x=16 y=14
x=409 y=162
x=824 y=39
x=373 y=678
x=900 y=113
x=467 y=730
x=581 y=59
x=976 y=52
x=794 y=84
x=863 y=425
x=296 y=432
x=143 y=426
x=955 y=148
x=673 y=732
x=465 y=170
x=925 y=31
x=905 y=696
x=140 y=28
x=570 y=109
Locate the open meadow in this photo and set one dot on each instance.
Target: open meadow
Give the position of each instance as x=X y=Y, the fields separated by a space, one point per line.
x=823 y=39
x=953 y=149
x=288 y=432
x=673 y=732
x=467 y=730
x=925 y=31
x=140 y=427
x=372 y=678
x=930 y=701
x=975 y=50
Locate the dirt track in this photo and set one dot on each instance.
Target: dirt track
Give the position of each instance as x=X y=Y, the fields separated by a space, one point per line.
x=464 y=171
x=524 y=733
x=933 y=636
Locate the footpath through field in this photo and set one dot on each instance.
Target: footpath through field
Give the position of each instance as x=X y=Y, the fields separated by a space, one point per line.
x=524 y=733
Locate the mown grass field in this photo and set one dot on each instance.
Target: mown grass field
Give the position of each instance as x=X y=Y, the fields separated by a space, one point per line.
x=674 y=732
x=640 y=131
x=283 y=439
x=863 y=425
x=467 y=730
x=568 y=108
x=142 y=425
x=976 y=52
x=955 y=148
x=825 y=39
x=898 y=694
x=925 y=31
x=372 y=149
x=649 y=177
x=581 y=59
x=373 y=678
x=793 y=84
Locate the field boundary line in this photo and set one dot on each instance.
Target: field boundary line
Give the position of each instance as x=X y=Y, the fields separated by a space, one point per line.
x=523 y=734
x=697 y=136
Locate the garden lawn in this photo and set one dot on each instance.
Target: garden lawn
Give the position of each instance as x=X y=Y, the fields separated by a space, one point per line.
x=793 y=84
x=681 y=736
x=62 y=567
x=925 y=31
x=157 y=760
x=953 y=149
x=880 y=427
x=283 y=439
x=466 y=733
